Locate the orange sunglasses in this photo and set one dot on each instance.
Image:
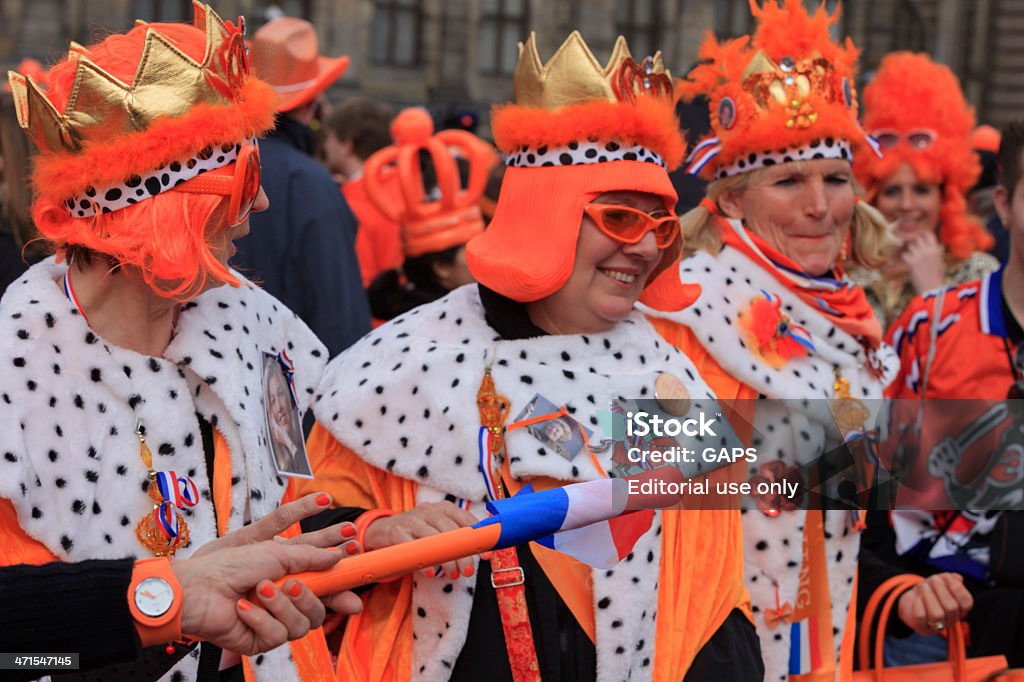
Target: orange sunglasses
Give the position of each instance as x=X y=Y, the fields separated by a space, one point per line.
x=629 y=225
x=240 y=181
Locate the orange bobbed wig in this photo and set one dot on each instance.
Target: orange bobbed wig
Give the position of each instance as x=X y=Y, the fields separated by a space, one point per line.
x=160 y=94
x=577 y=130
x=912 y=94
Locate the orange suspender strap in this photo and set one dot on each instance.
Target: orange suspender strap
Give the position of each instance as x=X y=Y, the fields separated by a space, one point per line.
x=508 y=580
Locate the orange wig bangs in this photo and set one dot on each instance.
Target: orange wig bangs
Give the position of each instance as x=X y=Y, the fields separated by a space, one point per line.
x=166 y=238
x=912 y=93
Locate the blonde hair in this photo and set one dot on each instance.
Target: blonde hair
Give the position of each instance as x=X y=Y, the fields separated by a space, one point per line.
x=871 y=237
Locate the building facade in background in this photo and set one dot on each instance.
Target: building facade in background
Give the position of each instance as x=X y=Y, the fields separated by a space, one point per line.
x=458 y=55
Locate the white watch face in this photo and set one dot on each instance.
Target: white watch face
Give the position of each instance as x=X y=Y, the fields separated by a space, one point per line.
x=153 y=597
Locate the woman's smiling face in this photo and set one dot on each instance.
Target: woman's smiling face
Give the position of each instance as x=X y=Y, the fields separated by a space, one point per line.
x=607 y=277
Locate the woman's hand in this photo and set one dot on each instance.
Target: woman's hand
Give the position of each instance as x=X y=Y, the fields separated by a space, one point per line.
x=926 y=262
x=216 y=583
x=935 y=604
x=422 y=521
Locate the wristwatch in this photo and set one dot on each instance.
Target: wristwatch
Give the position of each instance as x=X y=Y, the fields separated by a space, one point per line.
x=155 y=600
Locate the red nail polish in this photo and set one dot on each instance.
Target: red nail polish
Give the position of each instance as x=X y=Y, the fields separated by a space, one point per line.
x=351 y=548
x=468 y=572
x=323 y=499
x=429 y=573
x=268 y=590
x=245 y=604
x=348 y=531
x=454 y=574
x=295 y=589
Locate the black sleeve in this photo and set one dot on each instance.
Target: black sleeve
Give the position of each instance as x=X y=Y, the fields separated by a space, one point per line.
x=330 y=517
x=877 y=563
x=68 y=608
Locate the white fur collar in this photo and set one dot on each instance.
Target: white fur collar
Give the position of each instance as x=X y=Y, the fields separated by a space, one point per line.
x=730 y=281
x=69 y=456
x=404 y=399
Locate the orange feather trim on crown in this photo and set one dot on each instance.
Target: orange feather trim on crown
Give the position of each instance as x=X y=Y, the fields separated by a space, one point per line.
x=62 y=175
x=647 y=123
x=788 y=86
x=911 y=93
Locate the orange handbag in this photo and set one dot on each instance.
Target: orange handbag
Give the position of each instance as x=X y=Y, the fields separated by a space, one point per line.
x=957 y=668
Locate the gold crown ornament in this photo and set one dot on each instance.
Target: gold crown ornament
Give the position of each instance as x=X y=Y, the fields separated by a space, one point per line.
x=108 y=130
x=168 y=83
x=572 y=107
x=787 y=94
x=574 y=76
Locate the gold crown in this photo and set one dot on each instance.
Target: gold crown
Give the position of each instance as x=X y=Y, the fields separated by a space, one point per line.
x=574 y=76
x=167 y=83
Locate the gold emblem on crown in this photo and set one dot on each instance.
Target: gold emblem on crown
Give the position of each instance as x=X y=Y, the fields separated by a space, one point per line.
x=790 y=84
x=167 y=84
x=574 y=76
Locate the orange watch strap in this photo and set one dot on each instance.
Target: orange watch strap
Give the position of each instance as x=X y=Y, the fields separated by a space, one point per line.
x=166 y=627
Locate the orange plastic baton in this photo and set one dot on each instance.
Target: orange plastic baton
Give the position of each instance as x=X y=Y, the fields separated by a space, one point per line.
x=397 y=560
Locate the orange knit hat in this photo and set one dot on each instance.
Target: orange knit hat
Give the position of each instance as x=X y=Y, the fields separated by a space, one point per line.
x=577 y=130
x=454 y=218
x=917 y=111
x=785 y=95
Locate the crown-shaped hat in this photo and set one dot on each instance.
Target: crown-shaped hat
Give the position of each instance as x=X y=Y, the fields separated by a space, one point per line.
x=430 y=225
x=573 y=110
x=577 y=130
x=785 y=95
x=107 y=129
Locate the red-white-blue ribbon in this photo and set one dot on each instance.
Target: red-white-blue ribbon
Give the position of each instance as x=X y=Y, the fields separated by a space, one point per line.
x=486 y=462
x=167 y=520
x=787 y=326
x=179 y=490
x=289 y=374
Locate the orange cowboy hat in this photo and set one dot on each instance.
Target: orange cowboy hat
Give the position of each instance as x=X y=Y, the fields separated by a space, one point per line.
x=286 y=54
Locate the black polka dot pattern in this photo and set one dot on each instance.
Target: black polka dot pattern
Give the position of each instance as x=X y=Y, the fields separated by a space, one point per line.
x=818 y=149
x=580 y=153
x=138 y=188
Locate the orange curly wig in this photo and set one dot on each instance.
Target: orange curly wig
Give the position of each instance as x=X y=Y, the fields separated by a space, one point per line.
x=789 y=86
x=911 y=92
x=167 y=237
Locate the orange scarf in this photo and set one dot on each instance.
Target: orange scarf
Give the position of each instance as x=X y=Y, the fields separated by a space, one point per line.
x=840 y=301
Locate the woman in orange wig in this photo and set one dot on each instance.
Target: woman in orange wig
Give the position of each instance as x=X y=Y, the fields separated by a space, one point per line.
x=778 y=326
x=916 y=112
x=444 y=408
x=134 y=422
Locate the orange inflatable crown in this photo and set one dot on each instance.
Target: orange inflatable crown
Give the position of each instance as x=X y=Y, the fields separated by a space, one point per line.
x=454 y=218
x=785 y=95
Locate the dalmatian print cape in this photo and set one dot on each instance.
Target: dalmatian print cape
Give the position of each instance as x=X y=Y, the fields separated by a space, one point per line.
x=404 y=399
x=798 y=420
